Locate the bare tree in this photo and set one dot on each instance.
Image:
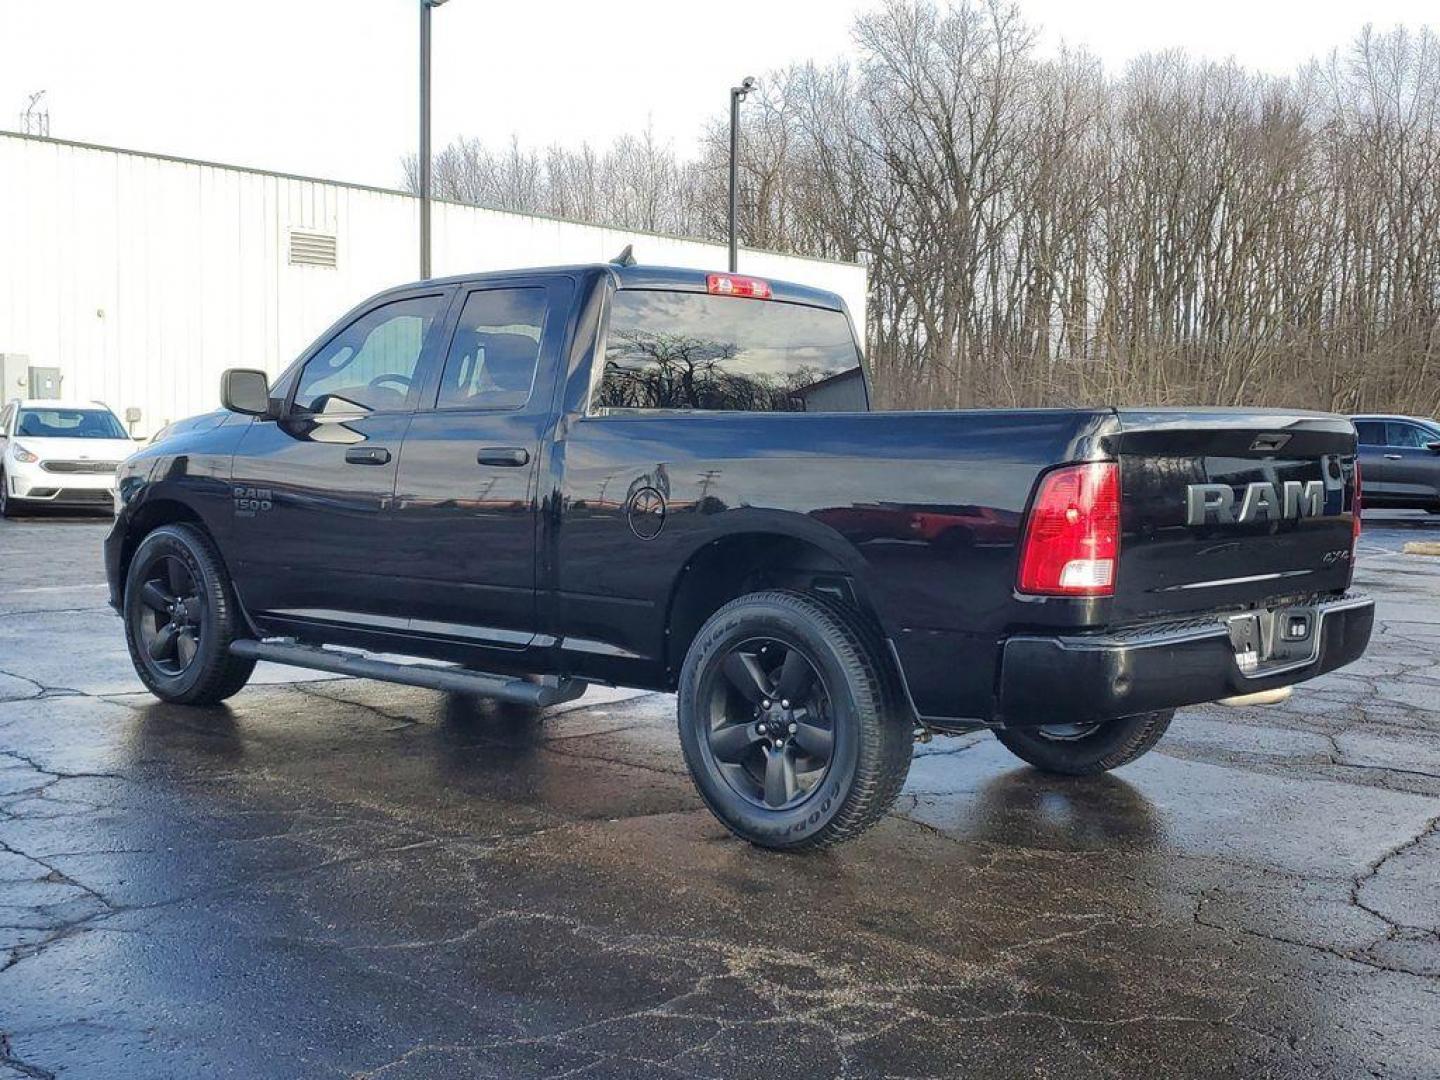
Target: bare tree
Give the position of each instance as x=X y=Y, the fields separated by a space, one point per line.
x=1039 y=232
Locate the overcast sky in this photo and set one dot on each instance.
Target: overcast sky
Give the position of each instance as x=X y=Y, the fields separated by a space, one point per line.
x=328 y=87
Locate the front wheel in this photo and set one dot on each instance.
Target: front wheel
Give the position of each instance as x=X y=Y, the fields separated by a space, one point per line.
x=180 y=617
x=7 y=505
x=1084 y=749
x=788 y=723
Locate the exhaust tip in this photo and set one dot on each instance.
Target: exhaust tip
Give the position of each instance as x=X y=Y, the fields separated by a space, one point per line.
x=1260 y=697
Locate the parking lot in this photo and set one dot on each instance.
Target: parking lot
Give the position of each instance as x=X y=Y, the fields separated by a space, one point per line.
x=343 y=878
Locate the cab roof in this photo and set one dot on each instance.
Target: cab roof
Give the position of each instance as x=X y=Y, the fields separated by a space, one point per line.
x=640 y=276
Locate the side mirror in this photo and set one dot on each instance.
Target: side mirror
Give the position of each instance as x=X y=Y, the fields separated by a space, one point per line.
x=245 y=391
x=1433 y=447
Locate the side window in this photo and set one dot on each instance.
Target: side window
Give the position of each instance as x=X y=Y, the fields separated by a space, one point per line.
x=1371 y=432
x=492 y=358
x=1407 y=436
x=683 y=350
x=371 y=365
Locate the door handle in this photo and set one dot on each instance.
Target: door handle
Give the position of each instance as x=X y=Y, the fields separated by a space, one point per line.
x=367 y=455
x=1394 y=457
x=506 y=456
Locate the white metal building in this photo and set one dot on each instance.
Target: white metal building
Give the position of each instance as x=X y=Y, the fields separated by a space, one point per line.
x=141 y=278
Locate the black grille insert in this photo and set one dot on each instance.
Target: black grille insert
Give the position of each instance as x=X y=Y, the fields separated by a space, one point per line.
x=93 y=468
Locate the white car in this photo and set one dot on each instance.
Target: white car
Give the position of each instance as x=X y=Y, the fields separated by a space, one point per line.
x=59 y=453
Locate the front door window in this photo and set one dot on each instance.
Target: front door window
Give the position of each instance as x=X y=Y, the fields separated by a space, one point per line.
x=371 y=365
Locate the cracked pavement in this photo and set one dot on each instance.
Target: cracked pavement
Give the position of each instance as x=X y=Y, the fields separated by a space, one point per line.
x=341 y=878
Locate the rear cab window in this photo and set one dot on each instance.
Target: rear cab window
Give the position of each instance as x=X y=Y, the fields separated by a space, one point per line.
x=670 y=350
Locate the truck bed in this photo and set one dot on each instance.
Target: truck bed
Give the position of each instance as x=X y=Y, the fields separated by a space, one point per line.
x=926 y=510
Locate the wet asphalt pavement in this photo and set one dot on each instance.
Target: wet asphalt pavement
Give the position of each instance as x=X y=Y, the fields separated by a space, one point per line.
x=343 y=878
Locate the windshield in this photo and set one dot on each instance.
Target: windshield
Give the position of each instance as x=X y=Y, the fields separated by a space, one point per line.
x=68 y=424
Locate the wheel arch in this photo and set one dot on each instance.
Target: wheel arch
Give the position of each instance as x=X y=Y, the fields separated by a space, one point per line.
x=764 y=551
x=157 y=512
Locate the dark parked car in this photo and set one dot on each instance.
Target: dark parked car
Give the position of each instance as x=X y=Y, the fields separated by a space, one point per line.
x=531 y=481
x=1400 y=460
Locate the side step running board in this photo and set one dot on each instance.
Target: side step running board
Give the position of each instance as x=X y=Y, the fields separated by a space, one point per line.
x=517 y=691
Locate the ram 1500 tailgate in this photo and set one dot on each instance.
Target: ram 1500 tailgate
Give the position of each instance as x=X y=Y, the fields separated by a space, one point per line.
x=1226 y=509
x=1235 y=554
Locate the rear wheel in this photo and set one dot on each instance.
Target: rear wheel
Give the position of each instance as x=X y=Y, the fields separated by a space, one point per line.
x=180 y=618
x=1084 y=749
x=788 y=724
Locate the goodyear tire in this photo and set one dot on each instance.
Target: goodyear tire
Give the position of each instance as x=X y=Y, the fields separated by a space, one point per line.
x=788 y=721
x=180 y=617
x=1087 y=749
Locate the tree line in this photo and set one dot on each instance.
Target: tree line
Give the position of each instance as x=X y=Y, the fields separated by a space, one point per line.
x=1038 y=231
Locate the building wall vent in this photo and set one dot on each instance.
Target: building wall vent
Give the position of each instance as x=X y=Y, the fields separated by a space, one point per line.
x=311 y=248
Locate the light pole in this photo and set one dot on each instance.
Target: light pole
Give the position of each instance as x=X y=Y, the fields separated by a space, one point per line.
x=425 y=6
x=737 y=95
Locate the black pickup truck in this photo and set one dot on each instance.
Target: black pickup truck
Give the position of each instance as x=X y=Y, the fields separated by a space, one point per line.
x=517 y=484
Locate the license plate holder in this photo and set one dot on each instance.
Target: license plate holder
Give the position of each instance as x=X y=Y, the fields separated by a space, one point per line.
x=1247 y=641
x=1274 y=638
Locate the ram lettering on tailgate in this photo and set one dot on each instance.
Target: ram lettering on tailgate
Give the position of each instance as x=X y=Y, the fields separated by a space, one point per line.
x=1296 y=499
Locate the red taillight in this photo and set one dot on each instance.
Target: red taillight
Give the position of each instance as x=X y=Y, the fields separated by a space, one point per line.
x=1072 y=537
x=734 y=285
x=1355 y=512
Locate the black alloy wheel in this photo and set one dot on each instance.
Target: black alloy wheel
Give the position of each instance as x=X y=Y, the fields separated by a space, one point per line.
x=181 y=616
x=173 y=616
x=790 y=722
x=771 y=725
x=1067 y=732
